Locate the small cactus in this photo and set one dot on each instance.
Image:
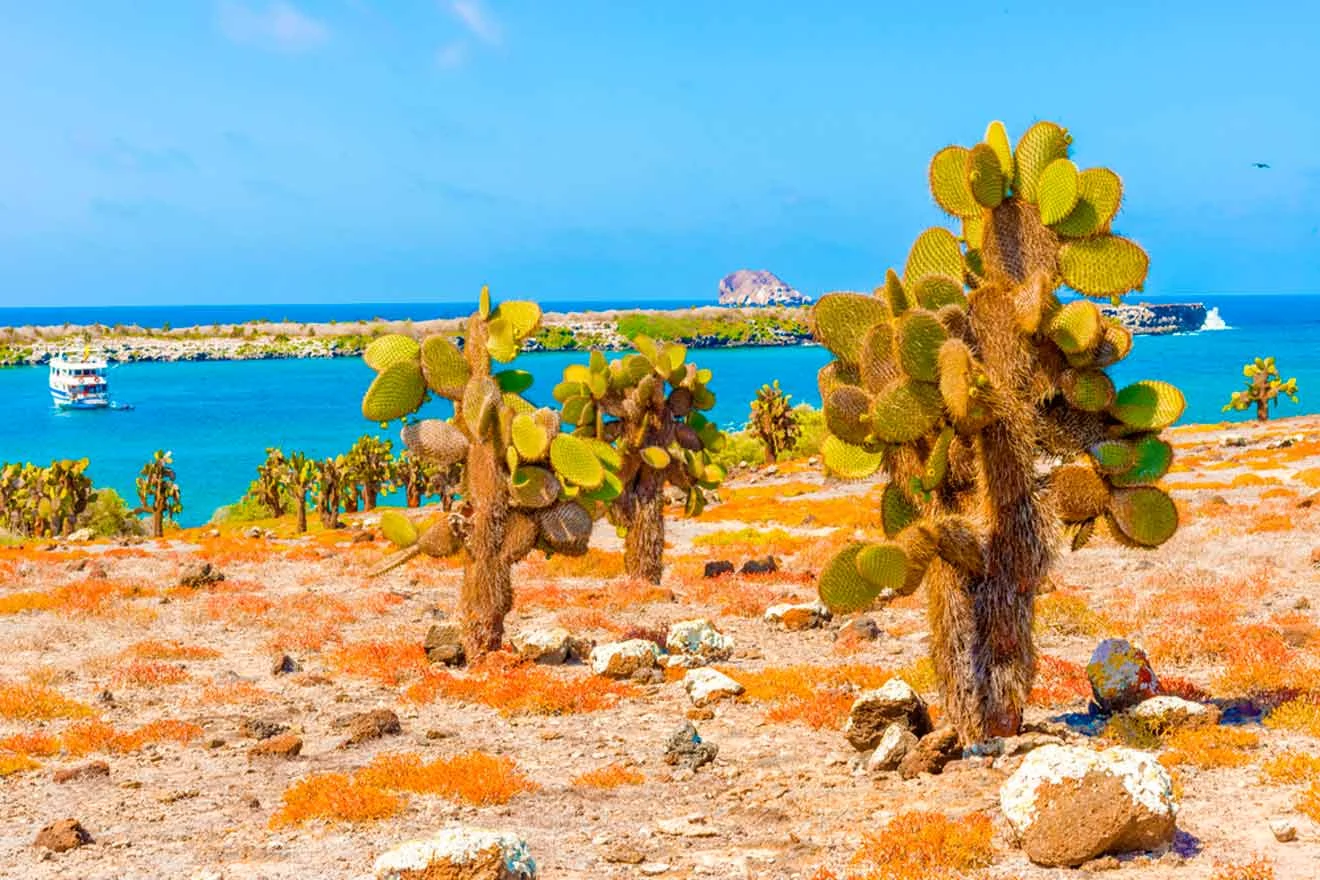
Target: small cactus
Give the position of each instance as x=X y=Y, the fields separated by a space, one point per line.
x=369 y=469
x=1264 y=384
x=300 y=479
x=158 y=491
x=774 y=421
x=331 y=483
x=270 y=489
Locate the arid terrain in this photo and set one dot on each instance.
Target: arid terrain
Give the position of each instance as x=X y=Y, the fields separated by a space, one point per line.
x=109 y=658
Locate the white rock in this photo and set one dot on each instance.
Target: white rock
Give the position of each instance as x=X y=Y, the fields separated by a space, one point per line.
x=806 y=615
x=474 y=853
x=1167 y=712
x=622 y=659
x=81 y=535
x=550 y=645
x=1284 y=831
x=894 y=744
x=698 y=638
x=707 y=685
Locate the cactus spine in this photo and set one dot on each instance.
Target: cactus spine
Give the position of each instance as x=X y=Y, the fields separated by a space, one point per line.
x=641 y=416
x=158 y=491
x=774 y=421
x=962 y=376
x=1264 y=383
x=520 y=483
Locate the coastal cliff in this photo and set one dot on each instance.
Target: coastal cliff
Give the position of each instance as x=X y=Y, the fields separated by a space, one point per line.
x=1158 y=319
x=757 y=287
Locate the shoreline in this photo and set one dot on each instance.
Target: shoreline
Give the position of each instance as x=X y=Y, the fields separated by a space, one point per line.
x=703 y=327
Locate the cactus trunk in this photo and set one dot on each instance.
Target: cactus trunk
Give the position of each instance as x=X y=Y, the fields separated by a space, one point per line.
x=487 y=594
x=1262 y=410
x=302 y=513
x=644 y=545
x=413 y=494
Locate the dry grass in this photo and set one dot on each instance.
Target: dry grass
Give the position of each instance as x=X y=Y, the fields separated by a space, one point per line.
x=515 y=687
x=1210 y=748
x=925 y=846
x=1308 y=803
x=13 y=764
x=609 y=776
x=1291 y=768
x=37 y=742
x=473 y=777
x=172 y=650
x=89 y=736
x=1067 y=613
x=334 y=797
x=1059 y=683
x=1258 y=868
x=389 y=663
x=148 y=673
x=34 y=702
x=1300 y=715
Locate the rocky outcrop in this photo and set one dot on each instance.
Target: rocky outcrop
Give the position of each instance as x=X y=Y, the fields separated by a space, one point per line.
x=756 y=287
x=1150 y=319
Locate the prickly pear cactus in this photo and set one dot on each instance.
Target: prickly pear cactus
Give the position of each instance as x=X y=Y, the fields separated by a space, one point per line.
x=964 y=375
x=522 y=479
x=774 y=421
x=1264 y=384
x=638 y=426
x=158 y=491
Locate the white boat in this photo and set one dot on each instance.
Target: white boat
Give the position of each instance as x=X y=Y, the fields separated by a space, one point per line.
x=78 y=381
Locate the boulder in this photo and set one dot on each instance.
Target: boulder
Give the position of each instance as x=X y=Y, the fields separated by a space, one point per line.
x=1165 y=712
x=1120 y=675
x=283 y=745
x=768 y=565
x=698 y=638
x=62 y=836
x=1068 y=804
x=718 y=567
x=894 y=745
x=261 y=728
x=285 y=665
x=89 y=770
x=931 y=753
x=895 y=702
x=458 y=854
x=807 y=615
x=862 y=628
x=81 y=535
x=375 y=724
x=707 y=685
x=686 y=748
x=199 y=575
x=444 y=643
x=550 y=645
x=624 y=659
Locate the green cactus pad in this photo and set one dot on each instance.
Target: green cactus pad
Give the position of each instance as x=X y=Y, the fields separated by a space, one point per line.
x=919 y=335
x=894 y=294
x=933 y=292
x=897 y=510
x=1078 y=492
x=484 y=302
x=389 y=350
x=395 y=393
x=935 y=252
x=1116 y=345
x=398 y=529
x=655 y=457
x=575 y=462
x=445 y=368
x=439 y=539
x=848 y=461
x=883 y=565
x=840 y=320
x=878 y=366
x=1099 y=194
x=985 y=176
x=609 y=456
x=1113 y=456
x=517 y=404
x=1104 y=267
x=1144 y=515
x=937 y=463
x=1151 y=459
x=529 y=437
x=973 y=232
x=1056 y=192
x=533 y=487
x=996 y=138
x=1148 y=405
x=906 y=411
x=847 y=414
x=481 y=403
x=522 y=316
x=1077 y=327
x=1036 y=149
x=834 y=374
x=501 y=342
x=948 y=182
x=610 y=489
x=579 y=411
x=565 y=527
x=703 y=398
x=1088 y=390
x=513 y=381
x=439 y=442
x=842 y=587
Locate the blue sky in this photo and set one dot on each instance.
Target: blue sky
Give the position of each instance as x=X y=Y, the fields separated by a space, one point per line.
x=196 y=151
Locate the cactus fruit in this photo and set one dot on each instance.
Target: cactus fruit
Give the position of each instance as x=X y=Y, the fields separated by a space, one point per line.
x=637 y=427
x=515 y=495
x=774 y=421
x=158 y=491
x=962 y=379
x=1264 y=383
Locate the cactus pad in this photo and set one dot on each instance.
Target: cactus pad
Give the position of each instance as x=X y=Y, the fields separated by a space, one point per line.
x=883 y=564
x=996 y=138
x=1106 y=266
x=1087 y=390
x=985 y=176
x=919 y=335
x=513 y=381
x=848 y=461
x=840 y=320
x=1078 y=493
x=437 y=442
x=1036 y=149
x=389 y=350
x=395 y=393
x=878 y=365
x=897 y=510
x=1151 y=458
x=933 y=292
x=575 y=462
x=481 y=402
x=1057 y=191
x=501 y=342
x=842 y=587
x=937 y=463
x=1113 y=456
x=398 y=529
x=533 y=487
x=935 y=252
x=522 y=317
x=439 y=539
x=445 y=369
x=529 y=437
x=1144 y=515
x=1148 y=405
x=949 y=182
x=1099 y=193
x=565 y=527
x=894 y=294
x=905 y=411
x=655 y=457
x=847 y=414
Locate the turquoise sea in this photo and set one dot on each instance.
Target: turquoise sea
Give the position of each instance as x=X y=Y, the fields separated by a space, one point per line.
x=218 y=418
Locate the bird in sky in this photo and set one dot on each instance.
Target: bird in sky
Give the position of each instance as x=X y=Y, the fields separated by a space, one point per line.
x=1260 y=165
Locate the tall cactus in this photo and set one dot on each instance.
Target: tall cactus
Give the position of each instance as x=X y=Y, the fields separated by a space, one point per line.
x=521 y=478
x=331 y=481
x=965 y=376
x=1264 y=383
x=64 y=492
x=641 y=415
x=301 y=478
x=370 y=468
x=158 y=491
x=270 y=488
x=774 y=421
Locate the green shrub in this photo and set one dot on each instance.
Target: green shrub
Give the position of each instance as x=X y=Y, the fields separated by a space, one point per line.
x=246 y=509
x=108 y=516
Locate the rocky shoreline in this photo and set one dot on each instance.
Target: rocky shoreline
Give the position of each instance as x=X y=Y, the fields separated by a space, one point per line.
x=699 y=328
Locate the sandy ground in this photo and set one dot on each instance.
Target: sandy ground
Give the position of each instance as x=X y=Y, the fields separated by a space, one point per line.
x=782 y=799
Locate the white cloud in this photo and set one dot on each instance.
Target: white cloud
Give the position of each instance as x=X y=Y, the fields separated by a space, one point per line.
x=477 y=19
x=280 y=26
x=451 y=55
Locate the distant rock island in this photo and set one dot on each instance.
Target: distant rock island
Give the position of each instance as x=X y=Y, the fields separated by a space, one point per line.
x=1158 y=319
x=757 y=287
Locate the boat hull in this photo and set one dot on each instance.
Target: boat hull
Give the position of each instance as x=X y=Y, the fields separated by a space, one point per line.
x=64 y=401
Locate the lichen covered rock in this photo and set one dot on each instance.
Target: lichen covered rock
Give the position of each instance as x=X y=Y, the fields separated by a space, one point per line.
x=706 y=685
x=698 y=638
x=895 y=702
x=1120 y=675
x=807 y=615
x=624 y=659
x=458 y=854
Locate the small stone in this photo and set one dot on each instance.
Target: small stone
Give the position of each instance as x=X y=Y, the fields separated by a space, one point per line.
x=623 y=659
x=873 y=711
x=621 y=853
x=458 y=854
x=89 y=770
x=651 y=869
x=62 y=836
x=767 y=565
x=371 y=725
x=698 y=638
x=717 y=568
x=700 y=713
x=686 y=748
x=199 y=575
x=894 y=745
x=862 y=628
x=172 y=797
x=1284 y=830
x=444 y=643
x=362 y=536
x=795 y=618
x=285 y=665
x=259 y=728
x=215 y=742
x=707 y=685
x=931 y=753
x=549 y=645
x=1120 y=675
x=1165 y=713
x=284 y=745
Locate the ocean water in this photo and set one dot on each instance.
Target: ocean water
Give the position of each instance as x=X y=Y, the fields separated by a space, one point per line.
x=218 y=418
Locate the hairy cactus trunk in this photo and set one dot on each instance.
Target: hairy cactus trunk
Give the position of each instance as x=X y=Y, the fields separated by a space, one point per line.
x=487 y=594
x=413 y=494
x=302 y=513
x=370 y=494
x=157 y=523
x=644 y=545
x=351 y=501
x=1262 y=410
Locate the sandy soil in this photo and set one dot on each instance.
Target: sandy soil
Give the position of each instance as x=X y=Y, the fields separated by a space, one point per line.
x=782 y=799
